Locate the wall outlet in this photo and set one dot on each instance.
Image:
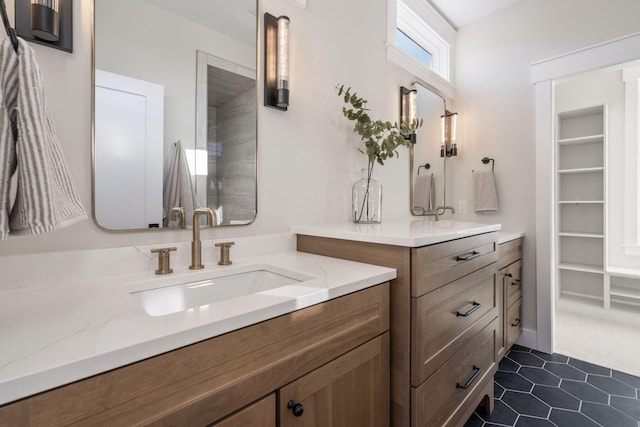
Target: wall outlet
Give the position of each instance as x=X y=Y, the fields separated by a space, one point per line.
x=462 y=206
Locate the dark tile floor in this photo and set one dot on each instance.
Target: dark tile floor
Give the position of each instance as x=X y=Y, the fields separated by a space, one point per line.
x=534 y=389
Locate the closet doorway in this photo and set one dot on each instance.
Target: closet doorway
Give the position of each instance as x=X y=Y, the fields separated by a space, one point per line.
x=588 y=245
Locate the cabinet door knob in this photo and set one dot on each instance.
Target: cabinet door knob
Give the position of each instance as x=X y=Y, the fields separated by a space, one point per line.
x=296 y=408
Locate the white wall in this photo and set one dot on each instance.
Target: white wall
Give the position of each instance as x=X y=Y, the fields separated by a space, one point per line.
x=307 y=160
x=496 y=101
x=307 y=156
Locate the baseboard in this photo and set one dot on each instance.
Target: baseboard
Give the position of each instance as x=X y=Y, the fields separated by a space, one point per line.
x=529 y=338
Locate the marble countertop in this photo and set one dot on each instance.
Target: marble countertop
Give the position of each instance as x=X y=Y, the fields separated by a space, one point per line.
x=407 y=232
x=55 y=334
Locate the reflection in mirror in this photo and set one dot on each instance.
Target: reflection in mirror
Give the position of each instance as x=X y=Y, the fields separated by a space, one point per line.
x=427 y=168
x=226 y=137
x=154 y=129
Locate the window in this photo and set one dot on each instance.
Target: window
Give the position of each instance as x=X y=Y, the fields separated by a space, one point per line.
x=414 y=49
x=421 y=42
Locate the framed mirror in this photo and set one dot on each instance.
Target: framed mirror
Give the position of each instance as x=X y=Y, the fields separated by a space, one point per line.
x=175 y=114
x=427 y=168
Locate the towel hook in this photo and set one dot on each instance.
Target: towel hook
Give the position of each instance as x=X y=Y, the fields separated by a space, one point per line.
x=486 y=160
x=427 y=166
x=10 y=31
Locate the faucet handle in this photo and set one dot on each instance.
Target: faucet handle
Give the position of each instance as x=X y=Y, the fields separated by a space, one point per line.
x=224 y=252
x=164 y=261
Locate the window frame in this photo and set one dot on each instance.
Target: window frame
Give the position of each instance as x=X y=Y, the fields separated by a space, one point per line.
x=422 y=23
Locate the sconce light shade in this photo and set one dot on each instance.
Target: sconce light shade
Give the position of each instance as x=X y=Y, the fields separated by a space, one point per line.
x=45 y=20
x=448 y=127
x=276 y=67
x=409 y=110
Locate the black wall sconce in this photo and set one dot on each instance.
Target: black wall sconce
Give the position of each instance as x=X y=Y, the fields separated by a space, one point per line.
x=408 y=110
x=276 y=57
x=449 y=124
x=46 y=22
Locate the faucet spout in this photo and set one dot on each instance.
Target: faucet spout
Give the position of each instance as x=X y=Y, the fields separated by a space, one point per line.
x=196 y=244
x=178 y=213
x=440 y=210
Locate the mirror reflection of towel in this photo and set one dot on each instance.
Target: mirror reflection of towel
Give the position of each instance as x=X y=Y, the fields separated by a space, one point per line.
x=423 y=192
x=178 y=190
x=485 y=196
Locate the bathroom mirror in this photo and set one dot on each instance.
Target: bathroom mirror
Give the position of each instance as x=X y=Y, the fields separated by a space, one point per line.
x=174 y=111
x=427 y=171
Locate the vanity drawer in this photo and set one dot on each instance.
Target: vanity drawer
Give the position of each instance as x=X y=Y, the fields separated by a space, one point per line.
x=513 y=327
x=436 y=265
x=457 y=384
x=446 y=319
x=513 y=282
x=509 y=252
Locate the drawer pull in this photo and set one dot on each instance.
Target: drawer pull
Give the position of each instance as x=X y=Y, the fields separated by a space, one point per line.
x=476 y=305
x=516 y=323
x=470 y=380
x=508 y=275
x=516 y=282
x=468 y=257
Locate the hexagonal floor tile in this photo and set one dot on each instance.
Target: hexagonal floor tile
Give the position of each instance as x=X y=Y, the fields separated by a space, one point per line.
x=589 y=368
x=584 y=391
x=611 y=386
x=524 y=421
x=556 y=397
x=539 y=376
x=525 y=359
x=525 y=403
x=562 y=417
x=501 y=414
x=627 y=405
x=607 y=415
x=565 y=371
x=513 y=381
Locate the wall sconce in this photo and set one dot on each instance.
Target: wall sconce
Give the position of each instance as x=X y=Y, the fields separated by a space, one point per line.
x=276 y=67
x=45 y=19
x=449 y=124
x=46 y=22
x=409 y=110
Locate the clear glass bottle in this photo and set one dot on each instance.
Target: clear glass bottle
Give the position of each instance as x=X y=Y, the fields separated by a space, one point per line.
x=366 y=197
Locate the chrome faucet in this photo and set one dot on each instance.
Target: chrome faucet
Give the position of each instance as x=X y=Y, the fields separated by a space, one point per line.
x=178 y=213
x=196 y=245
x=440 y=210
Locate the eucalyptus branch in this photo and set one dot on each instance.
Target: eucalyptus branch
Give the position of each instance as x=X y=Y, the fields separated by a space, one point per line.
x=381 y=138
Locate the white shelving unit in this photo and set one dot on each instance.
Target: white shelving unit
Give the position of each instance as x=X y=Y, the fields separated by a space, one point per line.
x=580 y=204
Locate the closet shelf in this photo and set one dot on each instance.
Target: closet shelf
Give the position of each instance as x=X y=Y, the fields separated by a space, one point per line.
x=581 y=170
x=588 y=139
x=624 y=292
x=585 y=268
x=581 y=202
x=586 y=235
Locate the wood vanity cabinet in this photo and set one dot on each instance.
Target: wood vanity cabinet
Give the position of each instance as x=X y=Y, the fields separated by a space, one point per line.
x=444 y=323
x=332 y=359
x=510 y=276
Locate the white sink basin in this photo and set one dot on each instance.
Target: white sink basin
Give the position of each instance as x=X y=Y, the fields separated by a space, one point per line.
x=162 y=296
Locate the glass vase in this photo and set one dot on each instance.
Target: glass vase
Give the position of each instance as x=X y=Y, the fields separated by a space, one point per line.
x=366 y=197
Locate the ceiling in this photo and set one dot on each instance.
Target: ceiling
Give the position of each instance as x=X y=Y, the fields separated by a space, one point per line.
x=463 y=12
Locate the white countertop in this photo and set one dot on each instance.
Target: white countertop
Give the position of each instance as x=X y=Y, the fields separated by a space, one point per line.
x=53 y=335
x=407 y=232
x=507 y=236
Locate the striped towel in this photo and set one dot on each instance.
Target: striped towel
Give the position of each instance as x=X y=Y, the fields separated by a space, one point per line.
x=46 y=198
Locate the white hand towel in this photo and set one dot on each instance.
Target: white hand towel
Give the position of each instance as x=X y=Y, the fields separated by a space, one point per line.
x=485 y=195
x=46 y=197
x=423 y=192
x=178 y=190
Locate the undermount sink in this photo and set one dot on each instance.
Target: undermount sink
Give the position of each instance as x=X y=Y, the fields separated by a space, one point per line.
x=163 y=296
